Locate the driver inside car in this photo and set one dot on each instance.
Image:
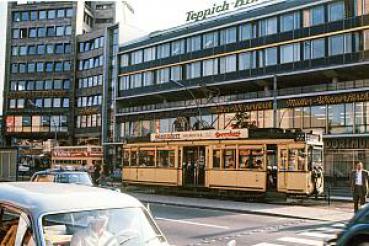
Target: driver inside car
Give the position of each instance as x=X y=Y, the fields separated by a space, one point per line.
x=96 y=234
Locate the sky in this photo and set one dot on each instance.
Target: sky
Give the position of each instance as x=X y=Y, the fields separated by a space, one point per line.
x=149 y=16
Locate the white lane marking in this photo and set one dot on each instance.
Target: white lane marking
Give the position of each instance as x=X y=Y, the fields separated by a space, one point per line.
x=327 y=229
x=192 y=223
x=316 y=234
x=300 y=241
x=339 y=225
x=267 y=244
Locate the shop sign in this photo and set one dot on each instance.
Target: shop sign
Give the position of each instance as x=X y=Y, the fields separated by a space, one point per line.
x=330 y=99
x=246 y=107
x=74 y=153
x=200 y=135
x=346 y=143
x=219 y=8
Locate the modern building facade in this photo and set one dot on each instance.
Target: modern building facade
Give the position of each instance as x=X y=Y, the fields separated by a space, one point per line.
x=285 y=64
x=57 y=69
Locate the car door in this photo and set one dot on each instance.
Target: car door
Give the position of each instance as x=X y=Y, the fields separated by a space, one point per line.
x=15 y=227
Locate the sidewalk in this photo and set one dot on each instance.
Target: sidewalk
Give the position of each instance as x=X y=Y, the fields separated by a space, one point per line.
x=289 y=211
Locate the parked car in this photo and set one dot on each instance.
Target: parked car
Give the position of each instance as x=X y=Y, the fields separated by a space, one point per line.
x=62 y=176
x=356 y=232
x=45 y=214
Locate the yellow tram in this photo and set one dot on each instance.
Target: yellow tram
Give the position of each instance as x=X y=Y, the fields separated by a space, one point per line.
x=250 y=160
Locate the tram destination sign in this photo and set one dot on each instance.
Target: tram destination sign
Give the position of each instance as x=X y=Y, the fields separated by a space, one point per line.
x=200 y=135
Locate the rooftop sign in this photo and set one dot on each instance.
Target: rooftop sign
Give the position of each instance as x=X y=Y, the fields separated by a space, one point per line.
x=219 y=8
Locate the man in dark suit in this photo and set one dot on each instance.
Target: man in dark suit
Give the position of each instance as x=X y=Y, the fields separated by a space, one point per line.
x=359 y=185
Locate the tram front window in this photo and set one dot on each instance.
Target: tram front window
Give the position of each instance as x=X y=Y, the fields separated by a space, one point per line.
x=147 y=158
x=230 y=159
x=296 y=160
x=166 y=158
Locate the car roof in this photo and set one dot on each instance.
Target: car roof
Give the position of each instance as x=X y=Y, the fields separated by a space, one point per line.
x=58 y=172
x=41 y=198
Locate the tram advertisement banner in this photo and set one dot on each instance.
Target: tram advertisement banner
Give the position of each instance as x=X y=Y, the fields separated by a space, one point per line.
x=201 y=135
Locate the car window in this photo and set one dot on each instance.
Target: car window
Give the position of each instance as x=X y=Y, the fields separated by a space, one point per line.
x=79 y=178
x=44 y=178
x=15 y=228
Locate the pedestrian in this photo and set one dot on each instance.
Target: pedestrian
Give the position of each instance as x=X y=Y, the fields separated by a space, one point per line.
x=97 y=173
x=359 y=185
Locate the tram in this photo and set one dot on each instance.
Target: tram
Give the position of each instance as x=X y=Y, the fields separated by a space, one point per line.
x=248 y=160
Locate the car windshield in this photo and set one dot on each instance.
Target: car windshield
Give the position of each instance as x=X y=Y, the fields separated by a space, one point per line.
x=78 y=178
x=110 y=227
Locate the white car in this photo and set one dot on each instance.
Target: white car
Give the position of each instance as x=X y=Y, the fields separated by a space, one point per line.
x=46 y=214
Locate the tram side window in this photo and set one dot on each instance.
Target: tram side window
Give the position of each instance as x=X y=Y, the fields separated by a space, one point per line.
x=283 y=160
x=229 y=158
x=125 y=158
x=166 y=158
x=252 y=159
x=296 y=160
x=147 y=158
x=216 y=158
x=133 y=158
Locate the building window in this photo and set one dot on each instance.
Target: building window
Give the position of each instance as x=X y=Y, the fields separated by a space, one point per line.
x=314 y=49
x=31 y=67
x=148 y=78
x=178 y=47
x=228 y=36
x=49 y=49
x=290 y=22
x=247 y=60
x=136 y=57
x=20 y=103
x=23 y=50
x=60 y=31
x=68 y=30
x=228 y=64
x=247 y=31
x=136 y=80
x=124 y=60
x=41 y=32
x=193 y=44
x=22 y=67
x=193 y=70
x=336 y=11
x=124 y=83
x=33 y=32
x=42 y=15
x=149 y=54
x=49 y=67
x=210 y=40
x=12 y=103
x=14 y=50
x=16 y=16
x=39 y=85
x=15 y=33
x=210 y=67
x=50 y=31
x=162 y=76
x=58 y=66
x=40 y=49
x=176 y=73
x=317 y=15
x=163 y=51
x=14 y=68
x=290 y=53
x=60 y=13
x=268 y=57
x=340 y=44
x=34 y=15
x=51 y=14
x=25 y=16
x=69 y=12
x=268 y=26
x=30 y=85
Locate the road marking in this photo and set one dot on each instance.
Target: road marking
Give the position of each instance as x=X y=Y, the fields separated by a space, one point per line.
x=327 y=229
x=316 y=234
x=339 y=225
x=300 y=241
x=192 y=223
x=267 y=244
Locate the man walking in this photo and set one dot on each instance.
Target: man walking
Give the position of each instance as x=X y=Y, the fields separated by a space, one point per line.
x=359 y=184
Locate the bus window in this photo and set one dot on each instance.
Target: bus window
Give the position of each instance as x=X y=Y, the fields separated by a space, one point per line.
x=216 y=158
x=296 y=161
x=147 y=158
x=126 y=158
x=230 y=158
x=166 y=158
x=134 y=158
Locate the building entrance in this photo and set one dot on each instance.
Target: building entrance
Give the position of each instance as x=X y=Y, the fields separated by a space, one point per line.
x=194 y=166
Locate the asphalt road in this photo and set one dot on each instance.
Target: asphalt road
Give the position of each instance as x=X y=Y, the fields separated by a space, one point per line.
x=192 y=226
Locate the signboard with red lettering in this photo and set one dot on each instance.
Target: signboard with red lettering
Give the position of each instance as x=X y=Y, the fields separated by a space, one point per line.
x=200 y=135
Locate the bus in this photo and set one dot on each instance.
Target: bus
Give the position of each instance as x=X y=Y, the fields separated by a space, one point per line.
x=247 y=160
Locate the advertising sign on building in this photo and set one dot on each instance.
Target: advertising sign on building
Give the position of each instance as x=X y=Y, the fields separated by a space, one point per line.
x=201 y=135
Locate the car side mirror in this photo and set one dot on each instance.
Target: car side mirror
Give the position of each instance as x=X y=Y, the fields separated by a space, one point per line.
x=232 y=243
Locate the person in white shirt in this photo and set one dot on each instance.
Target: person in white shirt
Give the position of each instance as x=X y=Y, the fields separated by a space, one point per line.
x=95 y=234
x=359 y=185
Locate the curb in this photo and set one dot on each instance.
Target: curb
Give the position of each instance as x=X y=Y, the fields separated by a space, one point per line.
x=234 y=210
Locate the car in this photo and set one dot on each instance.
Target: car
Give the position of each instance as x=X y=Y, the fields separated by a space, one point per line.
x=355 y=232
x=43 y=214
x=62 y=176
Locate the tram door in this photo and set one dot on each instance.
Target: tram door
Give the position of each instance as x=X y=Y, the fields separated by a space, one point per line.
x=272 y=167
x=194 y=166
